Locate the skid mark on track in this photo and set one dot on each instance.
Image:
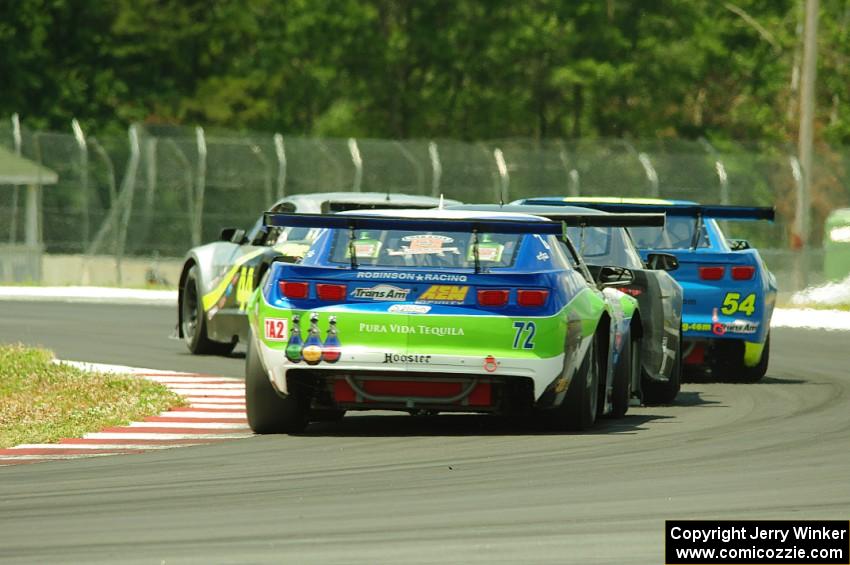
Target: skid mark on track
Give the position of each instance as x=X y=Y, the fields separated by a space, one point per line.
x=216 y=412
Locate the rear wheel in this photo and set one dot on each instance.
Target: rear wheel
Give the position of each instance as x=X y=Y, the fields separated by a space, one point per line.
x=326 y=415
x=754 y=374
x=664 y=392
x=728 y=362
x=193 y=322
x=628 y=366
x=267 y=412
x=578 y=410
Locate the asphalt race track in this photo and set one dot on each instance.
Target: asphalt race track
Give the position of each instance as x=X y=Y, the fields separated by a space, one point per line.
x=447 y=489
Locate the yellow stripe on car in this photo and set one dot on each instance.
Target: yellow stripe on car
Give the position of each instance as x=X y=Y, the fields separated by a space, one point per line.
x=212 y=297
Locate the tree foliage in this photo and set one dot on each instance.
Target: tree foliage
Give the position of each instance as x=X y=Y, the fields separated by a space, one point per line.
x=465 y=69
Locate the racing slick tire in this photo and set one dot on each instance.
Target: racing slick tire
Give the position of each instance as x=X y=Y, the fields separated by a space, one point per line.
x=754 y=374
x=626 y=368
x=193 y=322
x=267 y=412
x=729 y=362
x=326 y=415
x=664 y=392
x=577 y=412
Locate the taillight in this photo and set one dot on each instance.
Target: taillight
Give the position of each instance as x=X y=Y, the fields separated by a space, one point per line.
x=743 y=273
x=711 y=273
x=493 y=297
x=330 y=291
x=294 y=289
x=631 y=291
x=532 y=298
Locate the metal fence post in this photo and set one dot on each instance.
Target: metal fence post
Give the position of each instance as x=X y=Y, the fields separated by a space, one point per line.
x=80 y=137
x=436 y=168
x=575 y=183
x=504 y=177
x=651 y=173
x=358 y=163
x=16 y=139
x=128 y=186
x=797 y=245
x=420 y=176
x=648 y=170
x=280 y=151
x=200 y=188
x=722 y=176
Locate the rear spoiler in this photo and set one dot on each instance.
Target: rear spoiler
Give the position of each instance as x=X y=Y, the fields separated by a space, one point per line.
x=352 y=222
x=463 y=225
x=626 y=220
x=357 y=222
x=692 y=210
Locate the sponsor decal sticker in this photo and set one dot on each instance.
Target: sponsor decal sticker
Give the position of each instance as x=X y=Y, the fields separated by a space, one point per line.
x=381 y=292
x=490 y=252
x=276 y=329
x=409 y=309
x=542 y=256
x=425 y=244
x=441 y=293
x=737 y=327
x=686 y=327
x=409 y=329
x=392 y=358
x=416 y=277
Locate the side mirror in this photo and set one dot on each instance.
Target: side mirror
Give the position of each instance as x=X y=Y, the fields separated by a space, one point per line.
x=233 y=235
x=662 y=262
x=739 y=244
x=614 y=276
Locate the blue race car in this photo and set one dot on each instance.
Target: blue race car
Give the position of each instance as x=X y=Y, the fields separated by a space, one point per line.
x=436 y=311
x=729 y=293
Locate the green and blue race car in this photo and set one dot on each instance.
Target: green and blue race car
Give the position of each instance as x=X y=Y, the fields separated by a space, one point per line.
x=438 y=311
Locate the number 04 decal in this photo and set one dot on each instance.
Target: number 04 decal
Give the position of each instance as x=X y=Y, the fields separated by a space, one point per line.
x=733 y=303
x=527 y=328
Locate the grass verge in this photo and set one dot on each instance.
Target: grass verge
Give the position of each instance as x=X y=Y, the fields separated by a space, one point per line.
x=43 y=402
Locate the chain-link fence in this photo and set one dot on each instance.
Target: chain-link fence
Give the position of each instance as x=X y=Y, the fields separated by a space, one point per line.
x=160 y=190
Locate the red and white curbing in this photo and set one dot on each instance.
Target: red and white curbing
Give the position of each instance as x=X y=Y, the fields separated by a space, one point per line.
x=216 y=412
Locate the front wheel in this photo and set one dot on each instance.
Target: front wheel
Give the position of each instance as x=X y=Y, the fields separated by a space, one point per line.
x=267 y=412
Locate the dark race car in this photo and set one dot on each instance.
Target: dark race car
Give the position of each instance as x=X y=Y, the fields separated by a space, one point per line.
x=657 y=292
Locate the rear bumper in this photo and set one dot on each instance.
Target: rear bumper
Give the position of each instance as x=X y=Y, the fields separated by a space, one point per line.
x=361 y=362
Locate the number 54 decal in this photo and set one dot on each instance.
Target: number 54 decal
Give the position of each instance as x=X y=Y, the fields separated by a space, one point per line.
x=733 y=303
x=524 y=328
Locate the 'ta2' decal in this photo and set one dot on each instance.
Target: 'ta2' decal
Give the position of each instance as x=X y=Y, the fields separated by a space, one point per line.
x=527 y=329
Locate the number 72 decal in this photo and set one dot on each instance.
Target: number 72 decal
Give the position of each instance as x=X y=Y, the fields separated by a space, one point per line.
x=528 y=329
x=733 y=303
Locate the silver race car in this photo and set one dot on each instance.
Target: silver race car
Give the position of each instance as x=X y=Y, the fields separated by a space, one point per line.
x=218 y=278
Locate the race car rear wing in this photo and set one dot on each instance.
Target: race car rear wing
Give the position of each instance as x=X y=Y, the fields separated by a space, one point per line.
x=717 y=212
x=696 y=211
x=475 y=226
